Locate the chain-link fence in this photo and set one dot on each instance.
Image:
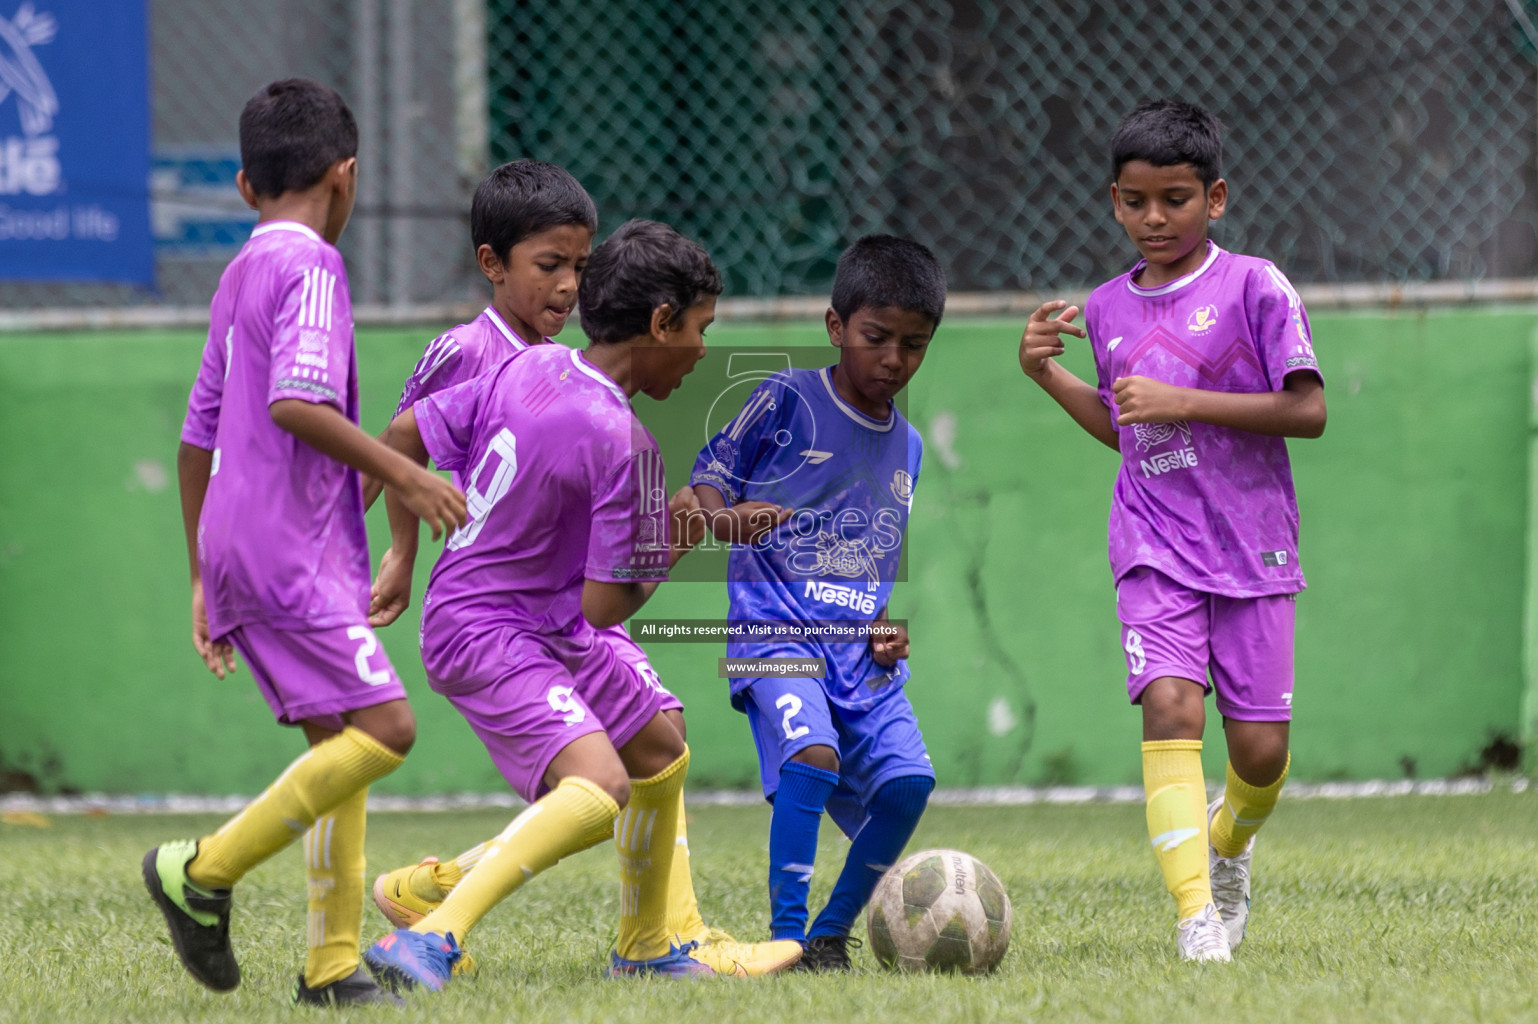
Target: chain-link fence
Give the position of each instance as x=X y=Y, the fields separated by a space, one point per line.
x=1368 y=140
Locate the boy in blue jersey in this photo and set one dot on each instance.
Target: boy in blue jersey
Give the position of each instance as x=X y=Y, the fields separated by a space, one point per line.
x=812 y=483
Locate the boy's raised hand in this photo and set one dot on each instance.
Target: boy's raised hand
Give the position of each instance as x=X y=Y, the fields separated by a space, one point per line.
x=433 y=500
x=1043 y=336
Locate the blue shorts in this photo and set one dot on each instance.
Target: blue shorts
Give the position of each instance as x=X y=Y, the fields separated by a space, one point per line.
x=875 y=745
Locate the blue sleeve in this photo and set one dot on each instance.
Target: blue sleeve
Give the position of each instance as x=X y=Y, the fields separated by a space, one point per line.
x=728 y=459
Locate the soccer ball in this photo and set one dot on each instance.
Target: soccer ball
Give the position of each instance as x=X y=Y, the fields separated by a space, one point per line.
x=939 y=910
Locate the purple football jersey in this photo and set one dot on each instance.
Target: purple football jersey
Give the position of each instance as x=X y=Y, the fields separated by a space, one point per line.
x=562 y=484
x=1211 y=507
x=468 y=351
x=281 y=539
x=459 y=354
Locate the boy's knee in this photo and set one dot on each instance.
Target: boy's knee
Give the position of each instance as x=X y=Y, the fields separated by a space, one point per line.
x=906 y=797
x=1173 y=709
x=652 y=750
x=616 y=784
x=818 y=755
x=393 y=725
x=1260 y=764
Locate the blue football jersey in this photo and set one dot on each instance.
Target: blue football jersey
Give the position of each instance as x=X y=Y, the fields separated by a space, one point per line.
x=850 y=478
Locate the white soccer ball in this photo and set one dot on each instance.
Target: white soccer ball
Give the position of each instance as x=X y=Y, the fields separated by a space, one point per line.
x=939 y=910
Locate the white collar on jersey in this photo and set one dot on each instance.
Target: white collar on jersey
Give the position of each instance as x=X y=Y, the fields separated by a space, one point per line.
x=1213 y=252
x=507 y=332
x=286 y=225
x=598 y=375
x=859 y=417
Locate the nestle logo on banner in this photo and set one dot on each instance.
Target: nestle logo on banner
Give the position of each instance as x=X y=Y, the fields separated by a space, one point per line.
x=29 y=163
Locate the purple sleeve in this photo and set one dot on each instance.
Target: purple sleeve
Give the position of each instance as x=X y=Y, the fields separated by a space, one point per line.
x=310 y=359
x=1102 y=360
x=1280 y=326
x=446 y=420
x=726 y=462
x=202 y=422
x=442 y=365
x=628 y=541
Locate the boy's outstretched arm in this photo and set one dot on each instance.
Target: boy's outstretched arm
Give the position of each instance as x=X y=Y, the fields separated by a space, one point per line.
x=606 y=604
x=373 y=488
x=742 y=523
x=194 y=466
x=326 y=430
x=1295 y=411
x=1041 y=341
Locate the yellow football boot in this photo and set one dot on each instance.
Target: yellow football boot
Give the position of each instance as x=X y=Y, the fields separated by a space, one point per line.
x=403 y=904
x=730 y=958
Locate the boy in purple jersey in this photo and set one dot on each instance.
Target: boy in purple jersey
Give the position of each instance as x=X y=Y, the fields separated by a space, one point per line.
x=569 y=533
x=532 y=225
x=1204 y=364
x=268 y=468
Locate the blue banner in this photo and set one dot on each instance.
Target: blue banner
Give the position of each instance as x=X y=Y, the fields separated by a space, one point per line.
x=74 y=141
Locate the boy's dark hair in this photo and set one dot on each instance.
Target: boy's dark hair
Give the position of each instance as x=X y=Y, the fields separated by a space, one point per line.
x=642 y=266
x=1169 y=132
x=523 y=198
x=883 y=270
x=291 y=132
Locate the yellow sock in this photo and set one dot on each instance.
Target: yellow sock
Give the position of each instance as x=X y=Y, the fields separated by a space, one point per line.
x=644 y=837
x=1244 y=809
x=1177 y=819
x=684 y=921
x=322 y=777
x=570 y=818
x=333 y=861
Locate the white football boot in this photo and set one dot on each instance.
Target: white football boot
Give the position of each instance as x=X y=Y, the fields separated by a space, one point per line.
x=1202 y=938
x=1230 y=882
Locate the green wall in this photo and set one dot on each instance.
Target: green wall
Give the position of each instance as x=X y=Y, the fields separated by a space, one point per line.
x=1409 y=638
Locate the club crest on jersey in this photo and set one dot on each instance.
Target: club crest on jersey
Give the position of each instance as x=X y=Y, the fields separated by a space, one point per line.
x=902 y=487
x=1202 y=320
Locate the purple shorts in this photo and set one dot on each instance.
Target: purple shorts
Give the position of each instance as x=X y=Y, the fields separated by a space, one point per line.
x=317 y=675
x=529 y=695
x=1168 y=629
x=630 y=652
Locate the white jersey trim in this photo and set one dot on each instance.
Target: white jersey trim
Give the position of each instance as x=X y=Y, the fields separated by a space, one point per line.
x=598 y=375
x=881 y=426
x=507 y=332
x=286 y=225
x=1180 y=282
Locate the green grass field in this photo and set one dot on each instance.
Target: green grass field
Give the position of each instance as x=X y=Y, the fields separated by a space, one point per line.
x=1398 y=909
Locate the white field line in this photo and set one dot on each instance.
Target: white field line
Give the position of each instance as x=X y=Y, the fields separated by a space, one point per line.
x=988 y=796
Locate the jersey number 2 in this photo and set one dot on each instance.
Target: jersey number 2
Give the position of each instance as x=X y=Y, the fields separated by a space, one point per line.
x=792 y=705
x=370 y=644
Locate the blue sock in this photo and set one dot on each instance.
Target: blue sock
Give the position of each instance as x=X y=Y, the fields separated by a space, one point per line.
x=798 y=807
x=894 y=814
